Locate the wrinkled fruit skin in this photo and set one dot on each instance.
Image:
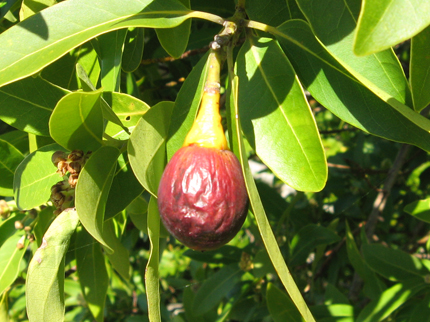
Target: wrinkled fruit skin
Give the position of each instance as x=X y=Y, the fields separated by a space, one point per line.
x=202 y=197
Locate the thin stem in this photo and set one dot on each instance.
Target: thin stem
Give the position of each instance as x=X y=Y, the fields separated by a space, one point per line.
x=206 y=16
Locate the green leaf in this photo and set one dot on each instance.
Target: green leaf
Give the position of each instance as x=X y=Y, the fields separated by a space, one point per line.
x=215 y=288
x=27 y=104
x=44 y=219
x=120 y=257
x=110 y=56
x=35 y=176
x=133 y=49
x=146 y=147
x=380 y=72
x=10 y=158
x=262 y=264
x=46 y=39
x=420 y=209
x=92 y=273
x=92 y=190
x=276 y=118
x=129 y=111
x=175 y=40
x=336 y=89
x=334 y=313
x=186 y=106
x=152 y=283
x=30 y=7
x=420 y=69
x=263 y=224
x=390 y=300
x=124 y=189
x=18 y=139
x=7 y=226
x=307 y=239
x=10 y=259
x=273 y=12
x=77 y=121
x=4 y=307
x=280 y=306
x=224 y=255
x=421 y=311
x=385 y=23
x=137 y=210
x=393 y=264
x=45 y=279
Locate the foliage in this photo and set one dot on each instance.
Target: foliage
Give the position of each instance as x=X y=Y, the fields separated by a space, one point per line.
x=325 y=105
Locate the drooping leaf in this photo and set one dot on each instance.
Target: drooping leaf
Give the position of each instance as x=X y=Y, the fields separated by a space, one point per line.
x=146 y=147
x=10 y=158
x=307 y=239
x=215 y=288
x=336 y=89
x=186 y=106
x=383 y=24
x=152 y=283
x=138 y=211
x=380 y=72
x=393 y=264
x=45 y=279
x=47 y=39
x=124 y=189
x=27 y=104
x=120 y=257
x=77 y=121
x=420 y=69
x=276 y=118
x=390 y=300
x=92 y=273
x=35 y=176
x=110 y=55
x=133 y=49
x=175 y=40
x=128 y=109
x=92 y=190
x=10 y=258
x=280 y=306
x=263 y=224
x=420 y=209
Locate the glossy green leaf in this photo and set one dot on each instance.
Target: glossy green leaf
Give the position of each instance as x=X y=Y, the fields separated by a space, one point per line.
x=175 y=40
x=263 y=224
x=128 y=109
x=215 y=288
x=44 y=219
x=393 y=264
x=380 y=72
x=46 y=39
x=35 y=176
x=336 y=89
x=10 y=158
x=30 y=7
x=110 y=56
x=137 y=210
x=93 y=188
x=120 y=257
x=272 y=12
x=133 y=49
x=385 y=23
x=186 y=106
x=390 y=300
x=27 y=104
x=307 y=239
x=19 y=139
x=92 y=273
x=373 y=287
x=152 y=283
x=124 y=189
x=77 y=121
x=7 y=226
x=45 y=279
x=10 y=259
x=224 y=255
x=276 y=118
x=280 y=306
x=146 y=147
x=420 y=69
x=420 y=209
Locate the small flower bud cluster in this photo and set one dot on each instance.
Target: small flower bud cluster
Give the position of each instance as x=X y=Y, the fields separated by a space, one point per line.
x=63 y=192
x=4 y=209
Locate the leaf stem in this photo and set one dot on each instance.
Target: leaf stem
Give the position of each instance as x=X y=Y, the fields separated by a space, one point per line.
x=206 y=16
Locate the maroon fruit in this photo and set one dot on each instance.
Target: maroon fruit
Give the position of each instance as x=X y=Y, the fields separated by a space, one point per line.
x=202 y=197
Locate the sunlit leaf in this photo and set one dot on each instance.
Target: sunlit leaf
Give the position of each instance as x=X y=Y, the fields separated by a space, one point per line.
x=10 y=158
x=420 y=209
x=133 y=49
